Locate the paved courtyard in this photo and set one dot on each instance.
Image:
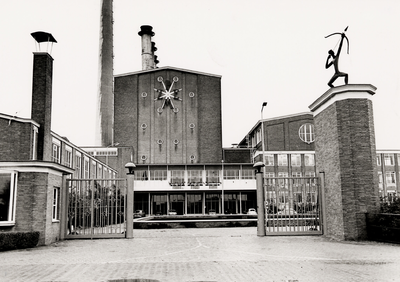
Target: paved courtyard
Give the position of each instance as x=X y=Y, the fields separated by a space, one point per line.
x=214 y=254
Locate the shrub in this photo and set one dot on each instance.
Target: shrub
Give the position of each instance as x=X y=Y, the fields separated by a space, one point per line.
x=18 y=240
x=392 y=206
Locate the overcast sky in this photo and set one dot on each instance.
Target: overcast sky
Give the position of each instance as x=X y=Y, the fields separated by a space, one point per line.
x=272 y=51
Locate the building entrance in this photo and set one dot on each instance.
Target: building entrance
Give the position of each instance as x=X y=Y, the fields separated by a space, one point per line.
x=177 y=203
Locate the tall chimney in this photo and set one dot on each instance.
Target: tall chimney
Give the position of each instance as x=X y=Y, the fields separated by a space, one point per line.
x=146 y=32
x=42 y=84
x=105 y=122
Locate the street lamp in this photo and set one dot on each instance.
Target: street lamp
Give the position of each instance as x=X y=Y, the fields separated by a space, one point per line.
x=130 y=167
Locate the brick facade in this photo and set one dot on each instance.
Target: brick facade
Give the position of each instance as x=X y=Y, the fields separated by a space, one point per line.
x=345 y=152
x=191 y=132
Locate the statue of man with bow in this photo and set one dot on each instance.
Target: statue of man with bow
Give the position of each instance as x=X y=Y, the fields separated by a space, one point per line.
x=333 y=59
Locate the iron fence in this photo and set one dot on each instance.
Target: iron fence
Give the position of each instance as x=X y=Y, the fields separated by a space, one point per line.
x=96 y=208
x=293 y=206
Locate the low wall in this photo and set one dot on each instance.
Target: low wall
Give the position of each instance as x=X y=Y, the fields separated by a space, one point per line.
x=384 y=227
x=195 y=222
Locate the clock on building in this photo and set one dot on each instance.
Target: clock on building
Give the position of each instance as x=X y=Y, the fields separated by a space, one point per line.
x=168 y=94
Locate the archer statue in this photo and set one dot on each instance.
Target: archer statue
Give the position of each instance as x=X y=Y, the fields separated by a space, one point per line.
x=334 y=59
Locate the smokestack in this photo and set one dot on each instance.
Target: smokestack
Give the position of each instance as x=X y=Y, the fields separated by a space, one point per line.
x=42 y=90
x=146 y=32
x=153 y=50
x=104 y=128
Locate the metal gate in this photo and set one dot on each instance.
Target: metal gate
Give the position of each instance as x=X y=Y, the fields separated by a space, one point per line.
x=96 y=208
x=293 y=206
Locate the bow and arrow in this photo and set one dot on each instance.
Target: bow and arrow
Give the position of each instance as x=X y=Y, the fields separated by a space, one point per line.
x=333 y=59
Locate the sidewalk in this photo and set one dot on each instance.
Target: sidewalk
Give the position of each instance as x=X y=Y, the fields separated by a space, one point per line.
x=210 y=254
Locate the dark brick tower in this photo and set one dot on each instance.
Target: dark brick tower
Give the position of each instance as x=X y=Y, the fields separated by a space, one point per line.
x=42 y=83
x=41 y=102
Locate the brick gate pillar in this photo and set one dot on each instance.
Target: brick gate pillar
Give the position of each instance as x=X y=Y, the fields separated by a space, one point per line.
x=345 y=151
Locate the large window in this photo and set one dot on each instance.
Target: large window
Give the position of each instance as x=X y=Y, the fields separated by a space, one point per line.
x=212 y=176
x=391 y=178
x=158 y=175
x=282 y=160
x=295 y=159
x=195 y=177
x=231 y=173
x=248 y=174
x=178 y=177
x=269 y=159
x=309 y=160
x=389 y=159
x=7 y=197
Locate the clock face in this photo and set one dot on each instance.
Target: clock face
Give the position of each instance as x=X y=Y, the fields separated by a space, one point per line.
x=167 y=94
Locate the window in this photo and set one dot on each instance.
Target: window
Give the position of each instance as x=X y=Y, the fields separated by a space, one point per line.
x=309 y=160
x=8 y=192
x=269 y=160
x=99 y=171
x=282 y=160
x=35 y=142
x=258 y=136
x=389 y=159
x=378 y=160
x=269 y=175
x=55 y=153
x=141 y=175
x=178 y=176
x=296 y=174
x=212 y=176
x=283 y=174
x=248 y=174
x=78 y=166
x=310 y=174
x=391 y=178
x=295 y=159
x=68 y=156
x=195 y=177
x=380 y=179
x=56 y=201
x=86 y=168
x=231 y=174
x=158 y=175
x=306 y=133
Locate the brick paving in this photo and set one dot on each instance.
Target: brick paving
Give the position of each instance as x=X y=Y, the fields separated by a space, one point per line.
x=210 y=254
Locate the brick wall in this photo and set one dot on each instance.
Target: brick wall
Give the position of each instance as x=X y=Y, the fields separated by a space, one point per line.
x=134 y=109
x=34 y=205
x=15 y=140
x=345 y=151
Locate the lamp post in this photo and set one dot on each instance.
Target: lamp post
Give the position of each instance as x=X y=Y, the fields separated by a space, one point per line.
x=129 y=199
x=260 y=199
x=111 y=145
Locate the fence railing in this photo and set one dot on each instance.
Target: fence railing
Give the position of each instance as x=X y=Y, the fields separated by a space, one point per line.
x=96 y=208
x=293 y=205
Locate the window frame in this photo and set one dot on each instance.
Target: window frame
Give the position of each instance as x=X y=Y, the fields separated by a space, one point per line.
x=55 y=211
x=12 y=200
